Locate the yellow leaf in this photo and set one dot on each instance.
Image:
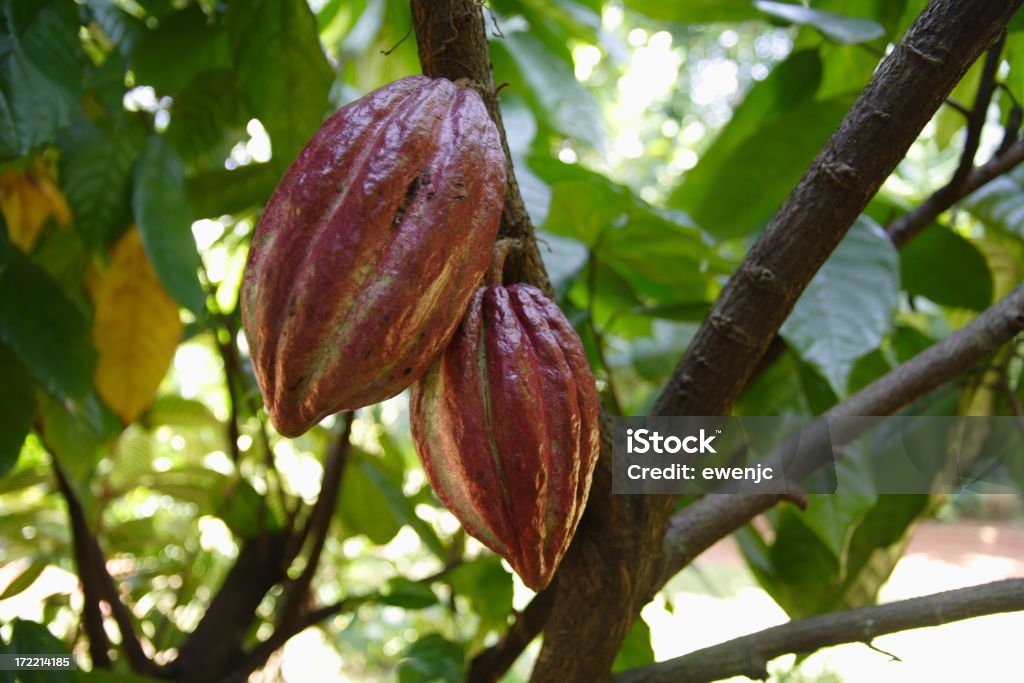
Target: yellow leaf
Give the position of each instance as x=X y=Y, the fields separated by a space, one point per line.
x=28 y=200
x=136 y=330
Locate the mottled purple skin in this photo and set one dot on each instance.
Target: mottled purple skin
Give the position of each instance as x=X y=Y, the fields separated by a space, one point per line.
x=370 y=249
x=506 y=425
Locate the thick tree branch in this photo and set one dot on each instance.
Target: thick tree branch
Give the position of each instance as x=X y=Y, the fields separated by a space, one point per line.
x=698 y=526
x=902 y=96
x=749 y=655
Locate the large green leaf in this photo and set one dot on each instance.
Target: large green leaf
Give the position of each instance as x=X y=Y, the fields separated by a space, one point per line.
x=39 y=73
x=835 y=27
x=847 y=308
x=96 y=164
x=17 y=407
x=46 y=331
x=747 y=184
x=282 y=69
x=185 y=44
x=161 y=212
x=551 y=88
x=696 y=11
x=209 y=109
x=927 y=260
x=886 y=12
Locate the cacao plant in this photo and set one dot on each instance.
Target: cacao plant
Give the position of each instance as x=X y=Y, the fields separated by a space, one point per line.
x=370 y=248
x=506 y=425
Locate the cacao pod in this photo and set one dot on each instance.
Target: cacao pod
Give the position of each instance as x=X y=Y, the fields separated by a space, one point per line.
x=506 y=425
x=370 y=249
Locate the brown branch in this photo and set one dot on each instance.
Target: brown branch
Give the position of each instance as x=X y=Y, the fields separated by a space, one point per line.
x=297 y=592
x=749 y=655
x=924 y=214
x=966 y=178
x=492 y=663
x=97 y=584
x=452 y=42
x=698 y=526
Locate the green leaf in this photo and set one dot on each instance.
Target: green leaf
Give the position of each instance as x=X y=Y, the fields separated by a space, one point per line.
x=121 y=28
x=161 y=212
x=39 y=73
x=847 y=308
x=389 y=485
x=926 y=262
x=836 y=27
x=30 y=638
x=185 y=44
x=282 y=69
x=696 y=11
x=551 y=88
x=209 y=110
x=432 y=659
x=738 y=190
x=487 y=586
x=636 y=649
x=223 y=192
x=175 y=410
x=17 y=408
x=76 y=432
x=401 y=592
x=23 y=580
x=95 y=177
x=46 y=331
x=362 y=506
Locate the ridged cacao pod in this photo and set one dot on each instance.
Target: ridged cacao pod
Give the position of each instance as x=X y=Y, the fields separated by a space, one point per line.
x=506 y=425
x=370 y=249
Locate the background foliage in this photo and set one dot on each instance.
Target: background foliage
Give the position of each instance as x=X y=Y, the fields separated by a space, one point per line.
x=140 y=138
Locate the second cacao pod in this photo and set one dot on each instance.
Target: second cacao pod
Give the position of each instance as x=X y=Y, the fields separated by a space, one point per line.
x=370 y=248
x=506 y=425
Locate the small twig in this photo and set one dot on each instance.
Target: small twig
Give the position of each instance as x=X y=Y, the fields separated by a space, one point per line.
x=613 y=397
x=809 y=635
x=296 y=592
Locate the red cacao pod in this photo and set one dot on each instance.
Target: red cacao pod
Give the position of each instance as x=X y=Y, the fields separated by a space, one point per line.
x=506 y=425
x=370 y=249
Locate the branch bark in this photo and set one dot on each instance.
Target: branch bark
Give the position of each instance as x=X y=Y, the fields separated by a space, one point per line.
x=452 y=39
x=749 y=655
x=698 y=526
x=492 y=663
x=97 y=584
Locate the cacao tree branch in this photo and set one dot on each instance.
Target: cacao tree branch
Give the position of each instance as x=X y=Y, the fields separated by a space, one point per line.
x=924 y=214
x=695 y=528
x=610 y=571
x=319 y=523
x=97 y=584
x=749 y=655
x=492 y=663
x=452 y=42
x=967 y=178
